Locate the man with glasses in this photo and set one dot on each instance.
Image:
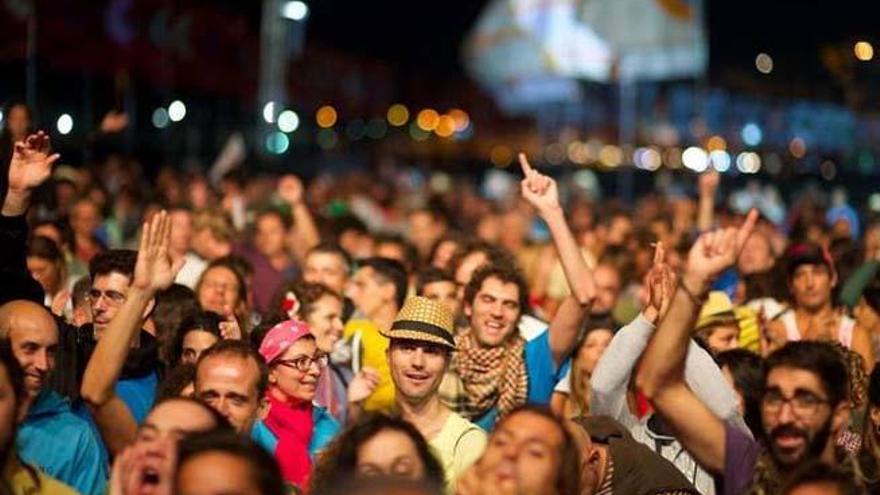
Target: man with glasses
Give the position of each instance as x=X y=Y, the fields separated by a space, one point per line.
x=804 y=403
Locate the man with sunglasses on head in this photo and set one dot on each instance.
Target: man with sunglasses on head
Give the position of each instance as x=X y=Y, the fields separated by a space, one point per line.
x=804 y=404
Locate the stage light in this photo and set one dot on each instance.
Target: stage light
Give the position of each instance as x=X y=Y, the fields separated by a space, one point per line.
x=864 y=51
x=695 y=159
x=445 y=126
x=501 y=155
x=176 y=111
x=720 y=160
x=269 y=112
x=288 y=121
x=462 y=120
x=64 y=124
x=797 y=147
x=326 y=117
x=160 y=118
x=428 y=119
x=397 y=115
x=764 y=63
x=751 y=134
x=277 y=142
x=295 y=10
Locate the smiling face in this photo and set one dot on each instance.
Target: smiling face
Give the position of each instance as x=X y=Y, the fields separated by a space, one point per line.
x=230 y=385
x=291 y=382
x=494 y=312
x=417 y=368
x=794 y=435
x=325 y=322
x=218 y=289
x=33 y=337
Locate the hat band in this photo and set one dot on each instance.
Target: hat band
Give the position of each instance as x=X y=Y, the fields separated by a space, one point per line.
x=429 y=328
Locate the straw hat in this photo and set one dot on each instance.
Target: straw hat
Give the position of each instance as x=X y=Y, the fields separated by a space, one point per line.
x=424 y=320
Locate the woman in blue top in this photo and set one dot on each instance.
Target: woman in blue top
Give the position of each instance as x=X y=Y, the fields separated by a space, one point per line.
x=298 y=427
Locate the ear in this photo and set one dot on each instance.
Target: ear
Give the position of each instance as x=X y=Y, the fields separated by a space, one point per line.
x=468 y=310
x=388 y=290
x=273 y=376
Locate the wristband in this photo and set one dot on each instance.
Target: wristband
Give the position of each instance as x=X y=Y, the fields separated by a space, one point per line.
x=698 y=301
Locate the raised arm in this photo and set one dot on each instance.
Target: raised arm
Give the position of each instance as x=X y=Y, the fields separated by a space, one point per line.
x=154 y=271
x=30 y=166
x=291 y=190
x=661 y=375
x=541 y=192
x=610 y=380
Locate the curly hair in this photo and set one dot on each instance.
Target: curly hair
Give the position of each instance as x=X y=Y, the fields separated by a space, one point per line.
x=337 y=463
x=505 y=272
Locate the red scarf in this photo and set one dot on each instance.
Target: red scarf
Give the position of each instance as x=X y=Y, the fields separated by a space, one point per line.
x=292 y=425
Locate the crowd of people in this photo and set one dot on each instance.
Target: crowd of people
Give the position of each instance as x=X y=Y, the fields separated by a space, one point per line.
x=364 y=334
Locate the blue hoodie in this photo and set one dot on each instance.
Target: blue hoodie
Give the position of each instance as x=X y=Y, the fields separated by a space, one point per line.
x=62 y=445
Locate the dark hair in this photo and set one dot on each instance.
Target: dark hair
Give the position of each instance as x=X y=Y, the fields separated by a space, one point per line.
x=806 y=253
x=769 y=283
x=874 y=387
x=286 y=221
x=259 y=332
x=221 y=423
x=175 y=381
x=335 y=249
x=569 y=473
x=45 y=248
x=410 y=254
x=234 y=265
x=80 y=291
x=306 y=293
x=495 y=254
x=389 y=271
x=506 y=273
x=263 y=469
x=119 y=261
x=431 y=275
x=203 y=321
x=336 y=465
x=454 y=237
x=174 y=305
x=345 y=223
x=241 y=350
x=819 y=358
x=817 y=472
x=747 y=369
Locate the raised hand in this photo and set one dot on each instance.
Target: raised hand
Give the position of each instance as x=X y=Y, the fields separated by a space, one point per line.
x=155 y=270
x=715 y=251
x=114 y=122
x=362 y=385
x=538 y=189
x=31 y=162
x=230 y=329
x=661 y=283
x=708 y=183
x=291 y=189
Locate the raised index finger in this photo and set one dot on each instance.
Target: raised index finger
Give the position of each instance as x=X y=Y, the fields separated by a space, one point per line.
x=524 y=164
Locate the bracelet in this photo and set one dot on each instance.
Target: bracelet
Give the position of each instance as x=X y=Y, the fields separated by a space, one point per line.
x=698 y=301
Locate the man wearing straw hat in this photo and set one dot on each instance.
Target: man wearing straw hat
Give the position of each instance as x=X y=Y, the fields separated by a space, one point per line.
x=419 y=355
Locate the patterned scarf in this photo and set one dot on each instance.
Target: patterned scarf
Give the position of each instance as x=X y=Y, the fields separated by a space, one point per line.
x=767 y=480
x=490 y=377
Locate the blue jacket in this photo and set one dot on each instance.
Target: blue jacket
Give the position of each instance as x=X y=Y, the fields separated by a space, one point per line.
x=326 y=429
x=62 y=445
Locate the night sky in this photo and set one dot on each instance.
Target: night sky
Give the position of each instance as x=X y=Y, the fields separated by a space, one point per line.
x=426 y=36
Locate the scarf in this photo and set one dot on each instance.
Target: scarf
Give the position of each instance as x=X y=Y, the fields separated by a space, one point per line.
x=490 y=377
x=292 y=425
x=767 y=480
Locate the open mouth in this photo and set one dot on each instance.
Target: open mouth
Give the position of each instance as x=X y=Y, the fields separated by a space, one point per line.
x=150 y=477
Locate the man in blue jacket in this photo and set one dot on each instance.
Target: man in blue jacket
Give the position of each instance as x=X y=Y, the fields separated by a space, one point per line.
x=51 y=437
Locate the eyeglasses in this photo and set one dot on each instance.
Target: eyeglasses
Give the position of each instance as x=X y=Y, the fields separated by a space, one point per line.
x=113 y=296
x=304 y=363
x=803 y=404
